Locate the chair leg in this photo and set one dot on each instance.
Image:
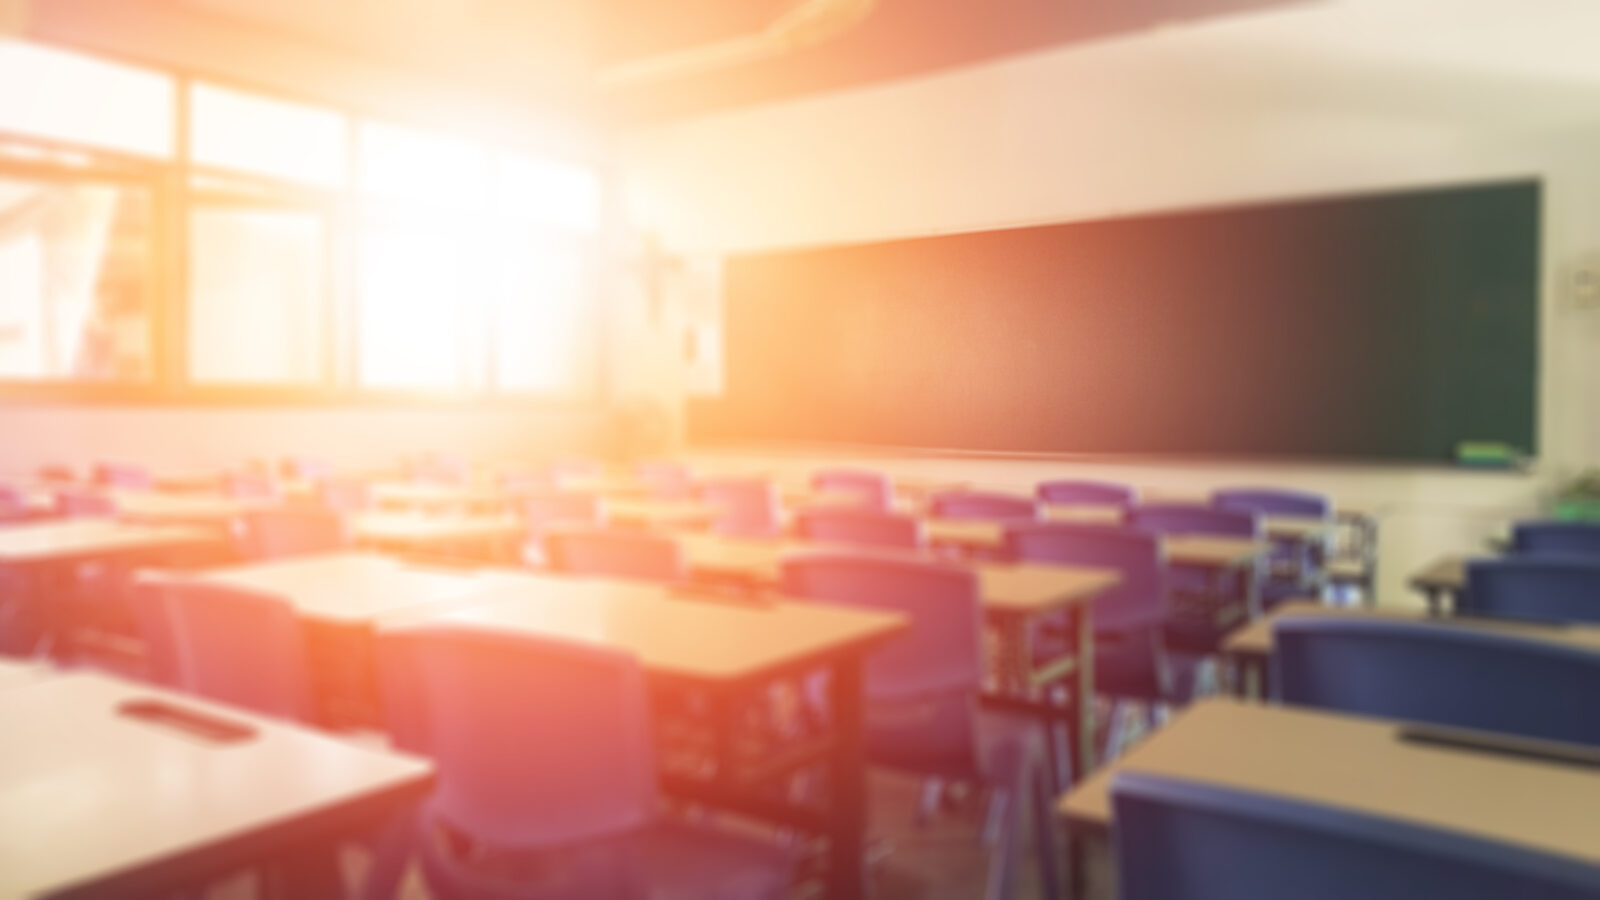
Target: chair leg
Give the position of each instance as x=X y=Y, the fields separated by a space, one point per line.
x=1044 y=834
x=1007 y=854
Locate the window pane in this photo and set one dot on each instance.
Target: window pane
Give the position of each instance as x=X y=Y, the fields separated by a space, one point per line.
x=270 y=137
x=69 y=97
x=74 y=280
x=257 y=307
x=550 y=193
x=417 y=165
x=544 y=335
x=420 y=301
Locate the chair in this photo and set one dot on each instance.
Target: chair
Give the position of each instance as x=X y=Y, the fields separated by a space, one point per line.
x=982 y=505
x=863 y=526
x=517 y=814
x=121 y=475
x=306 y=468
x=83 y=503
x=1550 y=588
x=1438 y=673
x=1296 y=568
x=874 y=488
x=1130 y=659
x=237 y=646
x=623 y=554
x=745 y=507
x=1079 y=492
x=544 y=509
x=292 y=531
x=249 y=485
x=14 y=504
x=1184 y=840
x=1556 y=537
x=667 y=480
x=1202 y=610
x=922 y=691
x=344 y=495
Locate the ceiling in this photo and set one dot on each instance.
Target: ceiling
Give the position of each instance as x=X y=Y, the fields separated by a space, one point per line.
x=689 y=57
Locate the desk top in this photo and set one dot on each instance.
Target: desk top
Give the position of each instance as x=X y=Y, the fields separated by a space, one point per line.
x=1007 y=588
x=88 y=795
x=1447 y=573
x=424 y=493
x=65 y=539
x=349 y=587
x=1194 y=550
x=417 y=528
x=656 y=513
x=693 y=633
x=1255 y=639
x=16 y=673
x=1360 y=764
x=209 y=508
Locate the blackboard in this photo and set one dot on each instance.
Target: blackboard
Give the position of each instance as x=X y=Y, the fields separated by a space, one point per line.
x=1387 y=326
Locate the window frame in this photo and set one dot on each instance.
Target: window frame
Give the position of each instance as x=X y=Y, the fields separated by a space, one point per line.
x=175 y=197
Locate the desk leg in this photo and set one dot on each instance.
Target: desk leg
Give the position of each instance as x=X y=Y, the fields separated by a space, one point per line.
x=1083 y=626
x=847 y=784
x=1435 y=598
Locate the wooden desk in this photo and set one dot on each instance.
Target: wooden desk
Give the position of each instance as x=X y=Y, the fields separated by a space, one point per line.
x=1442 y=578
x=349 y=587
x=96 y=804
x=1251 y=645
x=15 y=673
x=645 y=512
x=1016 y=598
x=200 y=509
x=1359 y=764
x=730 y=649
x=428 y=495
x=412 y=531
x=1190 y=550
x=76 y=540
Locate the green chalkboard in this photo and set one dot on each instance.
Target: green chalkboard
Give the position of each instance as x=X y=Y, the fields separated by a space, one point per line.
x=1387 y=326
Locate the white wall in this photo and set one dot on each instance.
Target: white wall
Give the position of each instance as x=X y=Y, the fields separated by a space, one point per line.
x=1172 y=121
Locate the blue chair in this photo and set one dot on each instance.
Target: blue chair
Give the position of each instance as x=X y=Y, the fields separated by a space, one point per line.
x=546 y=777
x=621 y=554
x=874 y=488
x=1082 y=492
x=1201 y=612
x=236 y=646
x=745 y=507
x=1184 y=840
x=987 y=505
x=1556 y=537
x=1439 y=673
x=1551 y=588
x=1296 y=568
x=922 y=691
x=292 y=531
x=121 y=475
x=864 y=527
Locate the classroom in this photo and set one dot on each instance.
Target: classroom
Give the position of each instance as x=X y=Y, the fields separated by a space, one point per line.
x=800 y=449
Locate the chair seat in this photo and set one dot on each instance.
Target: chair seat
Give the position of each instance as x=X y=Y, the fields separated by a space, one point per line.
x=663 y=861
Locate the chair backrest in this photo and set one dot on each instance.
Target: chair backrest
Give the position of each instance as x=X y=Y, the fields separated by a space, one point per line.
x=743 y=506
x=1551 y=588
x=537 y=742
x=1179 y=518
x=344 y=495
x=1138 y=601
x=240 y=647
x=293 y=531
x=13 y=502
x=57 y=473
x=667 y=480
x=248 y=485
x=867 y=527
x=964 y=504
x=122 y=475
x=874 y=488
x=1439 y=673
x=941 y=651
x=1556 y=537
x=1086 y=493
x=79 y=502
x=1273 y=501
x=542 y=508
x=624 y=554
x=1185 y=840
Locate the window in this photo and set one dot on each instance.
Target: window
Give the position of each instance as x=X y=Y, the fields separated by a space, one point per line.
x=68 y=97
x=418 y=304
x=545 y=192
x=75 y=280
x=545 y=329
x=422 y=167
x=258 y=298
x=262 y=136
